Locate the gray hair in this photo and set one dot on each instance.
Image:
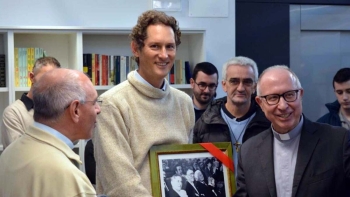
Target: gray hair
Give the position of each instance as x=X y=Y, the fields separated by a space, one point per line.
x=242 y=61
x=51 y=97
x=293 y=75
x=196 y=174
x=44 y=61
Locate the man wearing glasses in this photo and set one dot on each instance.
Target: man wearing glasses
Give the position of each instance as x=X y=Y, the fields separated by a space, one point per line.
x=237 y=117
x=294 y=157
x=42 y=161
x=203 y=82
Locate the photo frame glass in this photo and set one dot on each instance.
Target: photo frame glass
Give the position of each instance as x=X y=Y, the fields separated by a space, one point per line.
x=190 y=170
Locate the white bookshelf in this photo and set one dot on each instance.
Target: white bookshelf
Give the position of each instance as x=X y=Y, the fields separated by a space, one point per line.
x=68 y=44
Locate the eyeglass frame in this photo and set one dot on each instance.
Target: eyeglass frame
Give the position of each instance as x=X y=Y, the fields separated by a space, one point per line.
x=98 y=101
x=213 y=86
x=241 y=81
x=282 y=95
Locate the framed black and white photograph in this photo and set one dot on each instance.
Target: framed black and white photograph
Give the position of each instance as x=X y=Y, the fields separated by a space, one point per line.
x=192 y=170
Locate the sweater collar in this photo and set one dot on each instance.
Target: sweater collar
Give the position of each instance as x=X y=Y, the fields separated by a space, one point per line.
x=147 y=89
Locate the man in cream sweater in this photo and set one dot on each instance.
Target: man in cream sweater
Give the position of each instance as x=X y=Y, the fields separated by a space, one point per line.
x=142 y=111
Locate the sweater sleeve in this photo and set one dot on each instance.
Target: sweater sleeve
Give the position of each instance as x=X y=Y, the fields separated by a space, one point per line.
x=11 y=126
x=115 y=173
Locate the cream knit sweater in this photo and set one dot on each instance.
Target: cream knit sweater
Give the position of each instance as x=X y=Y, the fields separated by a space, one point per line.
x=133 y=118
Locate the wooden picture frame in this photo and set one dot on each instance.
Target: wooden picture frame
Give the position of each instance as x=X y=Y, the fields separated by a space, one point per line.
x=166 y=159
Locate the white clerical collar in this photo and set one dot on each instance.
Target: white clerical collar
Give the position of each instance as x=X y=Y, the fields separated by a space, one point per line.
x=291 y=134
x=142 y=80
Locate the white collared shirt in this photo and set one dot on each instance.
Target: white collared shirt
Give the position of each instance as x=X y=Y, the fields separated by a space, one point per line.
x=55 y=133
x=285 y=153
x=142 y=80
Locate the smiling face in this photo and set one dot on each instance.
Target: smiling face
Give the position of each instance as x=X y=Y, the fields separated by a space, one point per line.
x=238 y=85
x=157 y=57
x=284 y=116
x=342 y=92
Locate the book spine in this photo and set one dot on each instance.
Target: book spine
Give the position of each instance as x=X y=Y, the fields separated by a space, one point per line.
x=178 y=72
x=85 y=66
x=29 y=65
x=16 y=68
x=117 y=70
x=97 y=69
x=111 y=70
x=122 y=68
x=2 y=71
x=172 y=75
x=104 y=70
x=93 y=70
x=188 y=72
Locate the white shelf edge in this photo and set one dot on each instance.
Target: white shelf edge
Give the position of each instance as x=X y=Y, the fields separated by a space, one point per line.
x=22 y=89
x=4 y=89
x=103 y=87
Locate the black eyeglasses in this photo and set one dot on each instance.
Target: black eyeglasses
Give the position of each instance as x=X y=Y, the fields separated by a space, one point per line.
x=203 y=86
x=99 y=102
x=236 y=81
x=274 y=99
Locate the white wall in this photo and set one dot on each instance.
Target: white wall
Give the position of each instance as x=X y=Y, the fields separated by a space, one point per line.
x=220 y=32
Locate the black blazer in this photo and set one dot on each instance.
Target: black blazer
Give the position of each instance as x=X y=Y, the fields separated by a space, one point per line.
x=322 y=167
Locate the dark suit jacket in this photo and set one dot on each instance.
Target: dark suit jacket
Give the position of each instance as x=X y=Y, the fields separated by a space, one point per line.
x=322 y=168
x=190 y=190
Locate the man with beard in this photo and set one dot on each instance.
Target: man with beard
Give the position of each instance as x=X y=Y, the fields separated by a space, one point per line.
x=203 y=82
x=339 y=110
x=237 y=117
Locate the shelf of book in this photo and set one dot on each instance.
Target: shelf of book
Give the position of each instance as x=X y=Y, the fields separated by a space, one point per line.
x=68 y=44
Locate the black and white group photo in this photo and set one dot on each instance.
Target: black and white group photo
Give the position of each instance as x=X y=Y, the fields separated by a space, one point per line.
x=199 y=176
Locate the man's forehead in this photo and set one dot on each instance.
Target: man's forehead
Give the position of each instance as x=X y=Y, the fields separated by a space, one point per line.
x=342 y=86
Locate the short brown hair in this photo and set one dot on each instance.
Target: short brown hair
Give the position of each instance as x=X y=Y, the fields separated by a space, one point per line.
x=152 y=17
x=43 y=61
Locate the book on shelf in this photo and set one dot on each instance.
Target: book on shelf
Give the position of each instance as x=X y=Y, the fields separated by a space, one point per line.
x=2 y=71
x=180 y=73
x=24 y=64
x=104 y=70
x=93 y=69
x=188 y=72
x=111 y=70
x=116 y=69
x=108 y=69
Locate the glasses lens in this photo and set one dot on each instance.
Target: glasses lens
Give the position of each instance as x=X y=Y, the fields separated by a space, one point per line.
x=212 y=86
x=272 y=99
x=290 y=96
